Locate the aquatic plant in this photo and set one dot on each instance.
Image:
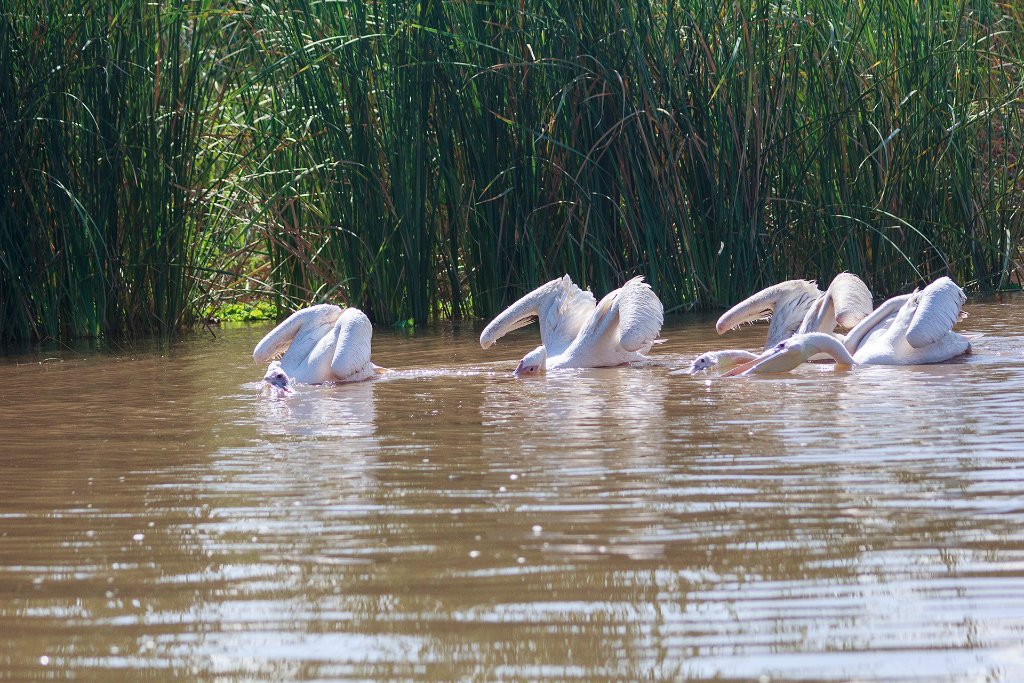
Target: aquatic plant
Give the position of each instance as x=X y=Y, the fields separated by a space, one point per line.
x=103 y=217
x=441 y=158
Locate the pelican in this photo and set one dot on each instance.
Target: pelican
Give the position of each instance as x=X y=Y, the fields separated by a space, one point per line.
x=322 y=343
x=577 y=333
x=913 y=329
x=794 y=306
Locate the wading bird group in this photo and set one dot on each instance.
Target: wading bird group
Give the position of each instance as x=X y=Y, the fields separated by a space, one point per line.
x=326 y=343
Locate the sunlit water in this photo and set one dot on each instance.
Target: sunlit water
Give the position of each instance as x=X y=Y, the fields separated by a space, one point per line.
x=160 y=519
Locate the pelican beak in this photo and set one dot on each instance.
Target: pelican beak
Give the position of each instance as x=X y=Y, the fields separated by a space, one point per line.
x=278 y=384
x=520 y=370
x=277 y=389
x=741 y=368
x=523 y=370
x=773 y=360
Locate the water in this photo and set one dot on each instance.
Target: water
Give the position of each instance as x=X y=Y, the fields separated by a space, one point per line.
x=160 y=520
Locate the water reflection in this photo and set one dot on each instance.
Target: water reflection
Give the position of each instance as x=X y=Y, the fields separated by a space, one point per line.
x=588 y=411
x=159 y=519
x=325 y=412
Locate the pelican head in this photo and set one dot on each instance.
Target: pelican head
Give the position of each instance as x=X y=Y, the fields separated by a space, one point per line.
x=532 y=363
x=721 y=360
x=702 y=362
x=277 y=378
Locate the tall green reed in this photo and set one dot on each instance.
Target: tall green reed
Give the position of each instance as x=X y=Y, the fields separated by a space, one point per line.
x=447 y=156
x=438 y=158
x=103 y=218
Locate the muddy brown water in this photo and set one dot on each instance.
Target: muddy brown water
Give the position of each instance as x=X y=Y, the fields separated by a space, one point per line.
x=160 y=520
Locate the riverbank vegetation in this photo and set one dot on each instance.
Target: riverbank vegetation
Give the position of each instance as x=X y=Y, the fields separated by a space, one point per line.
x=435 y=159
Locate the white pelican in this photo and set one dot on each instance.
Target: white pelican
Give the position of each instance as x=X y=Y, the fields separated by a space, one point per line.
x=577 y=333
x=794 y=307
x=913 y=329
x=321 y=343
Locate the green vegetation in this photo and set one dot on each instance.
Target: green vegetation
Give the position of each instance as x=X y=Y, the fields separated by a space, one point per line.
x=241 y=312
x=439 y=158
x=104 y=115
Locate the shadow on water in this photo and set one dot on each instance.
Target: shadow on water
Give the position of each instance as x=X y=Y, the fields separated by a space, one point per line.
x=161 y=519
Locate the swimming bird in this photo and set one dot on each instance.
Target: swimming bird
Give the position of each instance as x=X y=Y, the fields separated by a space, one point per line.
x=322 y=343
x=577 y=333
x=794 y=306
x=913 y=329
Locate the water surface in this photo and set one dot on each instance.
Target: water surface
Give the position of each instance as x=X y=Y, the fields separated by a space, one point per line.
x=159 y=519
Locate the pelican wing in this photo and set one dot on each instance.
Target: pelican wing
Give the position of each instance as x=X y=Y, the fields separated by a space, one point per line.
x=789 y=314
x=561 y=307
x=939 y=308
x=852 y=299
x=520 y=314
x=625 y=321
x=847 y=301
x=569 y=313
x=641 y=315
x=785 y=304
x=820 y=317
x=878 y=320
x=352 y=348
x=313 y=322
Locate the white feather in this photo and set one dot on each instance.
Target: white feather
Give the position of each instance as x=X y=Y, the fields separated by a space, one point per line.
x=846 y=302
x=939 y=307
x=297 y=334
x=785 y=304
x=560 y=307
x=789 y=315
x=572 y=308
x=874 y=324
x=852 y=299
x=641 y=315
x=351 y=358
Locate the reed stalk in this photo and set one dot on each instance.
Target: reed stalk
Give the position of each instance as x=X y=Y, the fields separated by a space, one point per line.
x=439 y=158
x=445 y=157
x=104 y=108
